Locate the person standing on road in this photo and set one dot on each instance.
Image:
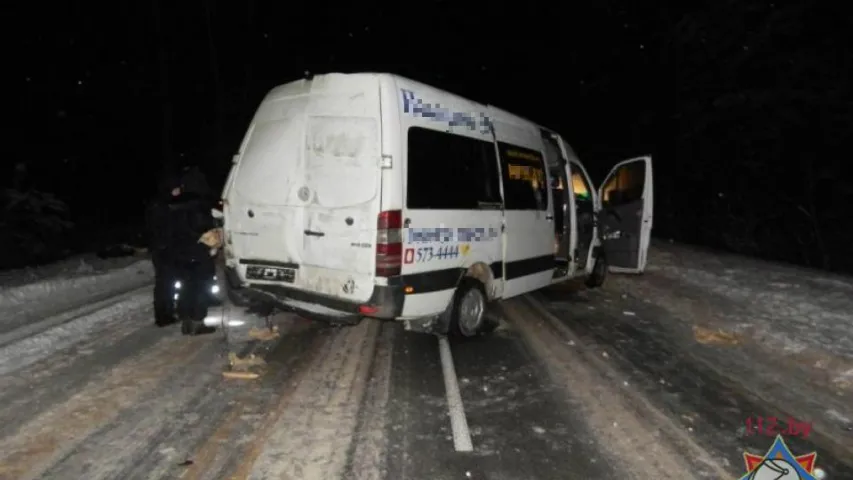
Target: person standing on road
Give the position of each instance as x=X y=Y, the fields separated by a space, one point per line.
x=183 y=266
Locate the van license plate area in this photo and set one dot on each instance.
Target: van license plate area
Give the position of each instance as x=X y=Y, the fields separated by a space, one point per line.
x=271 y=274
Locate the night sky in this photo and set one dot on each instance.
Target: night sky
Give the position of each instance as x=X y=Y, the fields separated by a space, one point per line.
x=745 y=105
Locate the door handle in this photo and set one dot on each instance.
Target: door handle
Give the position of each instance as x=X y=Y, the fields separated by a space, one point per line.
x=314 y=234
x=549 y=217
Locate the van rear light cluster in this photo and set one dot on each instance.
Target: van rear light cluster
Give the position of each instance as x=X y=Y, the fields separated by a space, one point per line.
x=389 y=243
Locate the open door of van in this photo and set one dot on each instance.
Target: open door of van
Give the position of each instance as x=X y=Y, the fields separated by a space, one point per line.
x=626 y=204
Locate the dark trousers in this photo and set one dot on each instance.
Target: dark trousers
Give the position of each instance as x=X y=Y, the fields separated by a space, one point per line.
x=195 y=277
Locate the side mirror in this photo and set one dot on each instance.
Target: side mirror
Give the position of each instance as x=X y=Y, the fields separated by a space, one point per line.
x=217 y=213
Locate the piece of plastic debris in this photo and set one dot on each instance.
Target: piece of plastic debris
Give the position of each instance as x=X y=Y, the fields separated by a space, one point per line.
x=246 y=362
x=240 y=375
x=263 y=334
x=707 y=336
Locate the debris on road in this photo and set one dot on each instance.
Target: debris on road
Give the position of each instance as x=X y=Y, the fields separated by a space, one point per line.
x=264 y=334
x=241 y=368
x=707 y=336
x=240 y=375
x=245 y=363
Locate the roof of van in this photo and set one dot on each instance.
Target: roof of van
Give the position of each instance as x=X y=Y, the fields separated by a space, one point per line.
x=303 y=87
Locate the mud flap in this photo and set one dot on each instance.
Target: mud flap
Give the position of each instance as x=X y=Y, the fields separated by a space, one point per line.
x=437 y=325
x=429 y=325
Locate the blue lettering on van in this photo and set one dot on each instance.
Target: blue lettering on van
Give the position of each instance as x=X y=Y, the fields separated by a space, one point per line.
x=418 y=108
x=451 y=235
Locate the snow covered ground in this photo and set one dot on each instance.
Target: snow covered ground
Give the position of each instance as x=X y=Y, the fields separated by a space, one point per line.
x=89 y=385
x=794 y=313
x=785 y=333
x=31 y=295
x=74 y=266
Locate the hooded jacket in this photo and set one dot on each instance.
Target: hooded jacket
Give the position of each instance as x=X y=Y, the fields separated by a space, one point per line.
x=176 y=223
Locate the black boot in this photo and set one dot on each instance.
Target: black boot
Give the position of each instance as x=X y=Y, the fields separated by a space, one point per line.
x=163 y=317
x=195 y=327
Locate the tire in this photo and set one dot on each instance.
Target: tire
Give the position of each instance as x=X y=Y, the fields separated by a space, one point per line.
x=599 y=273
x=468 y=313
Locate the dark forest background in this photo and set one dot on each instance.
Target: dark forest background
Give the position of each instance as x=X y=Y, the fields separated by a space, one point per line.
x=746 y=105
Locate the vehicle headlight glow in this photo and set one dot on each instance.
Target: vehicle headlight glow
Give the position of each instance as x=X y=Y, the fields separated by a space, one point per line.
x=214 y=289
x=178 y=285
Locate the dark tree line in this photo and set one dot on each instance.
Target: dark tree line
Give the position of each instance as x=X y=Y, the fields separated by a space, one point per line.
x=763 y=112
x=746 y=105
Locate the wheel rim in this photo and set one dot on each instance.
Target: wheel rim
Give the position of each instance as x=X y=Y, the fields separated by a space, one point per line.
x=471 y=312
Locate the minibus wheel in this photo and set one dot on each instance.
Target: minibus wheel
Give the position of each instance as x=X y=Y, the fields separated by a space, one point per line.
x=469 y=308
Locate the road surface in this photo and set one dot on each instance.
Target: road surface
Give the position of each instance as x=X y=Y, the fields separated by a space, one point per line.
x=564 y=389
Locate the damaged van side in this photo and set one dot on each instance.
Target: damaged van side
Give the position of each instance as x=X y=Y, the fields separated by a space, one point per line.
x=371 y=195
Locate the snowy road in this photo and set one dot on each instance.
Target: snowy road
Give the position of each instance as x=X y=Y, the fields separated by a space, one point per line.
x=570 y=387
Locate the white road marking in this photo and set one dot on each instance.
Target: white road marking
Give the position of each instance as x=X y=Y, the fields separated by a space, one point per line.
x=458 y=422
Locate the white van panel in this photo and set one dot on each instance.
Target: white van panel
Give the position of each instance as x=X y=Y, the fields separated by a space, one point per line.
x=440 y=245
x=305 y=195
x=392 y=145
x=529 y=234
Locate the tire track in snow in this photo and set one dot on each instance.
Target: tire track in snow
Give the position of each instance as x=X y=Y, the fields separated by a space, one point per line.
x=223 y=447
x=310 y=432
x=180 y=401
x=152 y=439
x=56 y=432
x=32 y=349
x=640 y=450
x=32 y=390
x=368 y=457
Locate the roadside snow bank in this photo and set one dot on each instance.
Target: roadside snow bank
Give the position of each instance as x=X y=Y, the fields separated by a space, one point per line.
x=782 y=332
x=792 y=309
x=37 y=347
x=69 y=289
x=75 y=266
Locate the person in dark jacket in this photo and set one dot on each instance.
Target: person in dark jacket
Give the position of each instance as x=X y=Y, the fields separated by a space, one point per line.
x=178 y=216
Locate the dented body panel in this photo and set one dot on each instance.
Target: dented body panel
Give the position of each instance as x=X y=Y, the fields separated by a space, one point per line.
x=292 y=204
